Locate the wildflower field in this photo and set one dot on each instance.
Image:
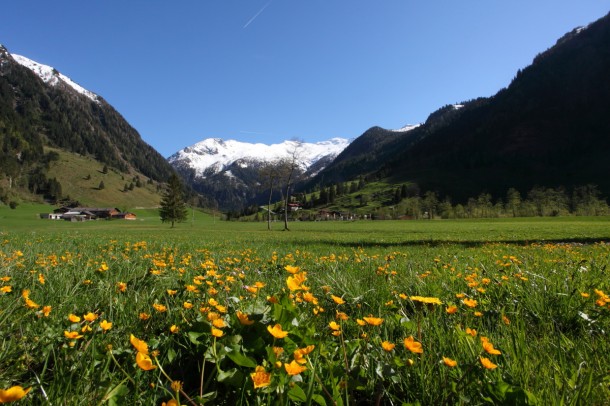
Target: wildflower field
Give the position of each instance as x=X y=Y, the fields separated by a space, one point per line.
x=423 y=312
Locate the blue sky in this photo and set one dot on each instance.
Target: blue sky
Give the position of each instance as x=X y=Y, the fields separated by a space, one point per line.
x=270 y=70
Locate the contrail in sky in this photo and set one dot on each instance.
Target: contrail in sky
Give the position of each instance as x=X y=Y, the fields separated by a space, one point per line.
x=257 y=14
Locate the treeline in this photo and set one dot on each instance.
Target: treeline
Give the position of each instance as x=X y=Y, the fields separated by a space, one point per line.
x=539 y=201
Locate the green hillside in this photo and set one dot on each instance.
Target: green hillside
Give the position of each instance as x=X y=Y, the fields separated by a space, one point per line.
x=80 y=177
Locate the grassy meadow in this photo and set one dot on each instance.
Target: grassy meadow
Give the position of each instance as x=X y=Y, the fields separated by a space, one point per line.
x=503 y=311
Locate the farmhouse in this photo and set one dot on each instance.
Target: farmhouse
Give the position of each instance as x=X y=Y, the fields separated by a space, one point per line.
x=88 y=213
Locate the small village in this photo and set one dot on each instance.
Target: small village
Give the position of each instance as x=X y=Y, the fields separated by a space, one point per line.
x=75 y=214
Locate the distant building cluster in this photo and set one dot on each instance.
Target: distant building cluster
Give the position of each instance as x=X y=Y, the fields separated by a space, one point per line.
x=87 y=213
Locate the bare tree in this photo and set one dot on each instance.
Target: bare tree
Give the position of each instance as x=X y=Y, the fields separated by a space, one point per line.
x=290 y=171
x=270 y=176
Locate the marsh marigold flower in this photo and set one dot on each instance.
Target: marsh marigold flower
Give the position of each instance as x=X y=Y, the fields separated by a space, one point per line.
x=159 y=307
x=373 y=321
x=105 y=325
x=174 y=329
x=300 y=353
x=292 y=269
x=144 y=362
x=338 y=300
x=413 y=346
x=294 y=368
x=243 y=318
x=471 y=332
x=13 y=394
x=489 y=347
x=487 y=364
x=72 y=335
x=260 y=377
x=276 y=331
x=217 y=332
x=470 y=302
x=451 y=309
x=138 y=344
x=449 y=362
x=46 y=310
x=387 y=346
x=90 y=317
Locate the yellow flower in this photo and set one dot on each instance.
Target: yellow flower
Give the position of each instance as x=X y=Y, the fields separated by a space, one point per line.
x=449 y=362
x=144 y=361
x=121 y=286
x=73 y=318
x=300 y=353
x=505 y=320
x=338 y=300
x=373 y=321
x=171 y=292
x=260 y=377
x=489 y=347
x=341 y=315
x=176 y=385
x=470 y=302
x=413 y=346
x=144 y=316
x=30 y=304
x=426 y=300
x=387 y=346
x=292 y=269
x=105 y=325
x=46 y=310
x=171 y=402
x=159 y=307
x=471 y=332
x=12 y=394
x=187 y=305
x=294 y=368
x=219 y=323
x=361 y=322
x=41 y=278
x=72 y=335
x=451 y=309
x=174 y=329
x=6 y=289
x=276 y=331
x=334 y=326
x=487 y=364
x=217 y=333
x=138 y=344
x=90 y=317
x=243 y=318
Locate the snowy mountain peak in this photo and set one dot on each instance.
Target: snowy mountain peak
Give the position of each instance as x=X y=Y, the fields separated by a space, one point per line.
x=51 y=76
x=214 y=155
x=406 y=128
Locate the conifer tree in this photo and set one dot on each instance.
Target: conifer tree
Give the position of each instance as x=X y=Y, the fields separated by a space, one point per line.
x=173 y=209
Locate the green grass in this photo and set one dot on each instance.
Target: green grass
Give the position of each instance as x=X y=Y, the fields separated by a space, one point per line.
x=540 y=285
x=80 y=177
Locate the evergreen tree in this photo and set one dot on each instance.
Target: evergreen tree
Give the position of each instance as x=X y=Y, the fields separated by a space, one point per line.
x=172 y=208
x=101 y=186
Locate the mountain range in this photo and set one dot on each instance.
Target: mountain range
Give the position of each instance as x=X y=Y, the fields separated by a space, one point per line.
x=41 y=108
x=550 y=127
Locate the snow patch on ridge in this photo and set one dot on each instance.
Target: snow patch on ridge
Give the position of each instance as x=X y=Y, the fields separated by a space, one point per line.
x=51 y=76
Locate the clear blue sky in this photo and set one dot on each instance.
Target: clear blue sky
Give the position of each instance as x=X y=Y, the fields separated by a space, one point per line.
x=266 y=71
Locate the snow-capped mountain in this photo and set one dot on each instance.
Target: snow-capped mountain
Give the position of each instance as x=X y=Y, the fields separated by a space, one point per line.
x=229 y=169
x=52 y=77
x=214 y=155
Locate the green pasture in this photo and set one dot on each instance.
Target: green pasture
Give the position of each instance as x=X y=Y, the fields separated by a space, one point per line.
x=502 y=311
